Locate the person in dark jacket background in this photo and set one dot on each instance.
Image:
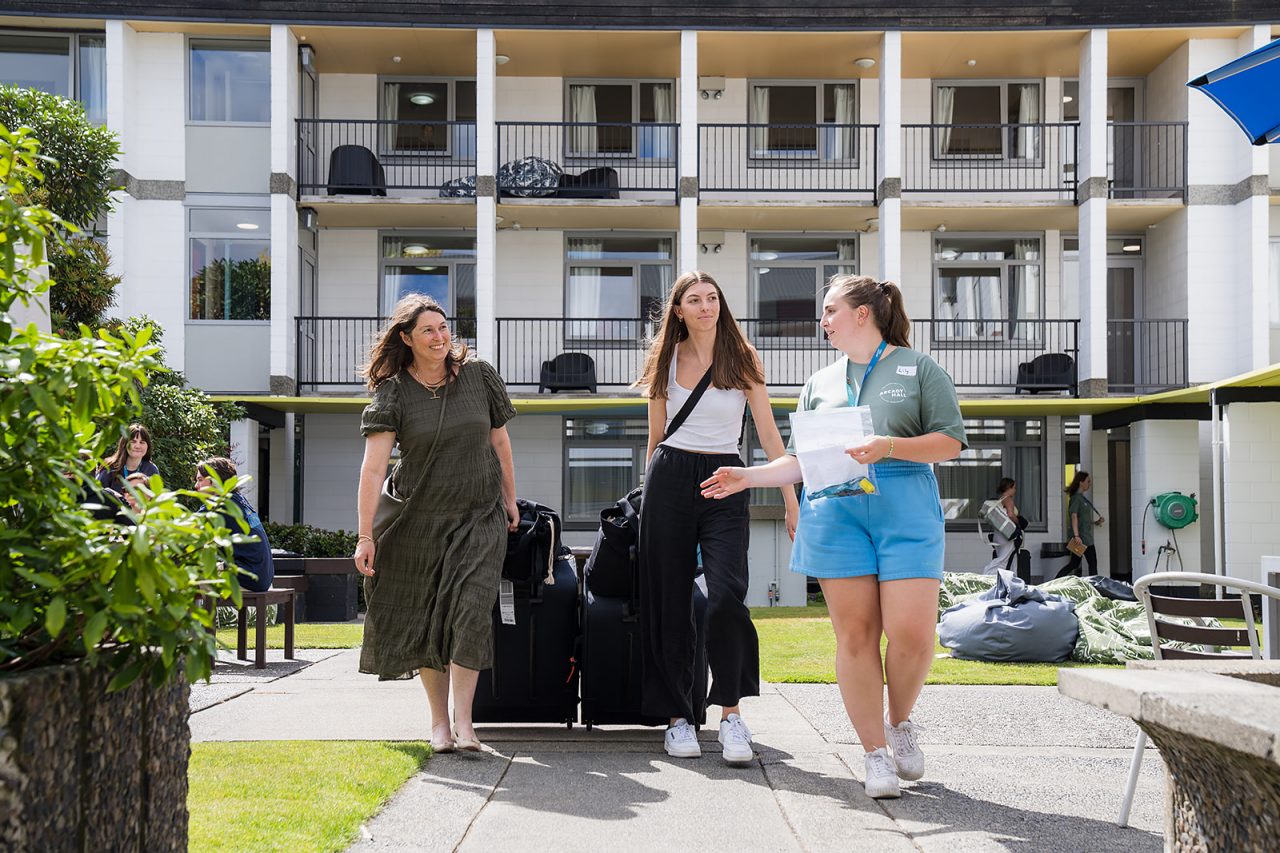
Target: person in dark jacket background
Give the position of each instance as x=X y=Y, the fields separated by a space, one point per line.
x=253 y=559
x=132 y=456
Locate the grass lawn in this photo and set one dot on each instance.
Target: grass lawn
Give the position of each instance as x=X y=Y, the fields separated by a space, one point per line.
x=796 y=645
x=292 y=795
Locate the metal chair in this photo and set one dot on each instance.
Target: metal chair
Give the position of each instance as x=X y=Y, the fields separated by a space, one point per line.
x=1208 y=638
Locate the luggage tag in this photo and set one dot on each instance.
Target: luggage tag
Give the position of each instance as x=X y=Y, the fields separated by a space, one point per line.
x=507 y=602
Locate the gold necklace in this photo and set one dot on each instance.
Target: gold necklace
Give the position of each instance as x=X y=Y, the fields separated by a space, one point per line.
x=433 y=387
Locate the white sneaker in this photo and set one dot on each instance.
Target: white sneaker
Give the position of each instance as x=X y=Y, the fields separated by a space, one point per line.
x=907 y=756
x=682 y=741
x=735 y=737
x=882 y=781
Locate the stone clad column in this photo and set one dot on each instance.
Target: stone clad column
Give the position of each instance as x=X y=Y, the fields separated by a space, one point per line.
x=889 y=158
x=486 y=198
x=285 y=258
x=1091 y=193
x=688 y=178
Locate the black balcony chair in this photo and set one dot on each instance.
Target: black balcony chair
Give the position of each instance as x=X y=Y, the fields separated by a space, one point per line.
x=354 y=170
x=569 y=371
x=600 y=182
x=1053 y=371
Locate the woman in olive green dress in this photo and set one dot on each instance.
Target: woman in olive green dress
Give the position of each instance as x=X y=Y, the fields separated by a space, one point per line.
x=433 y=573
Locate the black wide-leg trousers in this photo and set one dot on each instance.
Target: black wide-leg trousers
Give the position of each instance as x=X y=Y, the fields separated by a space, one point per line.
x=674 y=521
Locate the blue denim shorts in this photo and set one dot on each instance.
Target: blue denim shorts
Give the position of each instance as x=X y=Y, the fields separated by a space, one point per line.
x=896 y=534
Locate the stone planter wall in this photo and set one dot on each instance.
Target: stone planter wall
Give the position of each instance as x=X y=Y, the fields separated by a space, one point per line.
x=84 y=770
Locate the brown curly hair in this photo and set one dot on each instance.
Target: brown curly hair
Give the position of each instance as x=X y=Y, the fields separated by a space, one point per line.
x=390 y=354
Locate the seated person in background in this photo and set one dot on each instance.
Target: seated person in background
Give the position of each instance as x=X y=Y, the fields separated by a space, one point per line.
x=139 y=483
x=132 y=456
x=253 y=559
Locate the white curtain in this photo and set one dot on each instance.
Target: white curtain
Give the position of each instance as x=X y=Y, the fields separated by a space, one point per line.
x=582 y=107
x=93 y=78
x=759 y=115
x=664 y=111
x=1026 y=289
x=1028 y=114
x=944 y=107
x=655 y=142
x=586 y=288
x=390 y=112
x=842 y=147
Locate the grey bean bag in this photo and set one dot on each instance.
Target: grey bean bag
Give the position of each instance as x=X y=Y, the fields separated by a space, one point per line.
x=1010 y=622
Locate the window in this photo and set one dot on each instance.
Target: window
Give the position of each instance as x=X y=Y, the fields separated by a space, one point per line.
x=976 y=119
x=997 y=448
x=989 y=287
x=608 y=116
x=792 y=115
x=442 y=266
x=787 y=277
x=67 y=65
x=427 y=115
x=230 y=263
x=230 y=81
x=614 y=283
x=755 y=455
x=604 y=459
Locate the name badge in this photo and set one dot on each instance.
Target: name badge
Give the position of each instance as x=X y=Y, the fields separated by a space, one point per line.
x=907 y=370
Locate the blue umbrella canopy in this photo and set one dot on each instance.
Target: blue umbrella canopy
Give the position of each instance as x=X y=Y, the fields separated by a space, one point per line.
x=1248 y=89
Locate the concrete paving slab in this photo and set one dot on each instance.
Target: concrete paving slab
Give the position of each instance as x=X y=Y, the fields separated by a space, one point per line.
x=574 y=801
x=232 y=677
x=998 y=716
x=434 y=810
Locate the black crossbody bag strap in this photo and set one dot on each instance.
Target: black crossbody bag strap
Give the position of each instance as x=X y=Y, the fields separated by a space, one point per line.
x=687 y=408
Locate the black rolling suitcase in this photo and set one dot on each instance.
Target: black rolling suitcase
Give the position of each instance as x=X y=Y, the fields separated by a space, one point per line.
x=534 y=678
x=611 y=661
x=1024 y=565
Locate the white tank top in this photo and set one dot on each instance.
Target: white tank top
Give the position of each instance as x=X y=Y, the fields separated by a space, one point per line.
x=715 y=423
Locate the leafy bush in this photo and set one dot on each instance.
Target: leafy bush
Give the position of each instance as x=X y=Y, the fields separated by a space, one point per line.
x=307 y=541
x=85 y=286
x=72 y=586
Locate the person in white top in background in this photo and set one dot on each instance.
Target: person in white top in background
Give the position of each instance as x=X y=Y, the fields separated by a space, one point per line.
x=1006 y=548
x=698 y=334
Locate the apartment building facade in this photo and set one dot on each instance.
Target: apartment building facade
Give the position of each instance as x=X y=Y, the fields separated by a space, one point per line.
x=1084 y=243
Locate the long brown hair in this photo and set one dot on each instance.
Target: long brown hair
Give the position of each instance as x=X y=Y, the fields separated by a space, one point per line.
x=888 y=311
x=733 y=364
x=390 y=354
x=115 y=462
x=1076 y=482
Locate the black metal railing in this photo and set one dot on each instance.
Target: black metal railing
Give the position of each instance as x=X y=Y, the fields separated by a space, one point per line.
x=1144 y=356
x=1147 y=159
x=371 y=156
x=1003 y=356
x=331 y=350
x=787 y=158
x=990 y=158
x=587 y=160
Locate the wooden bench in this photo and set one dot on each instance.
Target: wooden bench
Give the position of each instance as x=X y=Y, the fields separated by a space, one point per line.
x=259 y=601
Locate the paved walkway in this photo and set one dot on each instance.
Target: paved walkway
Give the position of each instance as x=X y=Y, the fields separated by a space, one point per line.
x=1010 y=768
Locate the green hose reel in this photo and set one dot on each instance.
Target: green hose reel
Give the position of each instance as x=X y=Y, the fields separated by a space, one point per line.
x=1175 y=510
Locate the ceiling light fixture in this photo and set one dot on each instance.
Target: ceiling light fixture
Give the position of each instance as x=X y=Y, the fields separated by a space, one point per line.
x=501 y=59
x=395 y=59
x=1066 y=99
x=971 y=63
x=1132 y=247
x=247 y=226
x=422 y=98
x=864 y=62
x=414 y=250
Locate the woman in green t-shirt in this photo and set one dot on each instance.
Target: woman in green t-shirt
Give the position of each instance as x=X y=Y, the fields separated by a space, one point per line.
x=1080 y=512
x=878 y=558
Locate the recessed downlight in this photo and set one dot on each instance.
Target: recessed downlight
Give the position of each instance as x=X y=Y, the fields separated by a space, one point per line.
x=414 y=250
x=247 y=226
x=422 y=98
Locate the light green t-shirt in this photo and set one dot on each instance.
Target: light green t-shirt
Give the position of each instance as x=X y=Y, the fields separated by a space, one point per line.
x=908 y=392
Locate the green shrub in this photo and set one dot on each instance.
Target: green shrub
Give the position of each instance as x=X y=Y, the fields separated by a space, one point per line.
x=72 y=586
x=307 y=541
x=85 y=286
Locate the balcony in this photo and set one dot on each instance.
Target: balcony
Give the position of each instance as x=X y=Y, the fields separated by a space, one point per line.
x=588 y=160
x=995 y=159
x=1147 y=160
x=372 y=157
x=778 y=159
x=1146 y=356
x=331 y=350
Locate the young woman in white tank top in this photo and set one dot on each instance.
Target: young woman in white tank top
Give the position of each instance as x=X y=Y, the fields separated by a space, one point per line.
x=698 y=334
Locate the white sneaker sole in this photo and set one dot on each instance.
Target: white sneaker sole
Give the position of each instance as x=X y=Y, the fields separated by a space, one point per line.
x=738 y=760
x=684 y=753
x=883 y=791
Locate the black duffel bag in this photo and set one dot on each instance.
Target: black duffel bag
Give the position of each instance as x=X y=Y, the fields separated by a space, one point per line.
x=531 y=550
x=612 y=568
x=1111 y=588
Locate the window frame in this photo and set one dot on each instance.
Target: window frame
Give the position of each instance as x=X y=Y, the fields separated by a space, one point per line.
x=1273 y=273
x=750 y=444
x=451 y=83
x=571 y=156
x=639 y=445
x=634 y=265
x=243 y=237
x=1004 y=83
x=1006 y=281
x=190 y=42
x=1008 y=460
x=74 y=69
x=768 y=158
x=384 y=310
x=753 y=289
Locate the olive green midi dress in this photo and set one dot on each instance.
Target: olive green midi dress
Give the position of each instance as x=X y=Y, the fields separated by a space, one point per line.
x=437 y=568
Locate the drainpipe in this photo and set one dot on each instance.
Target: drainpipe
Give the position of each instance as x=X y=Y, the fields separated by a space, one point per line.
x=1219 y=488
